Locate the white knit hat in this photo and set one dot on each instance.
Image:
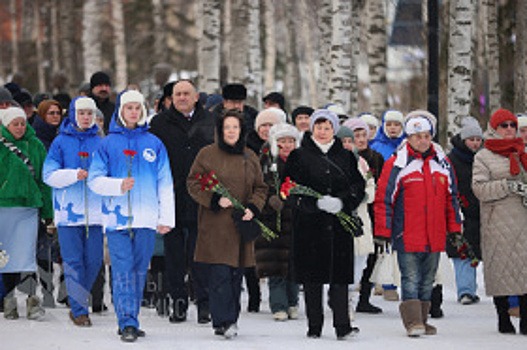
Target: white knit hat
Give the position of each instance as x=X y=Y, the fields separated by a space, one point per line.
x=425 y=114
x=133 y=96
x=269 y=116
x=522 y=120
x=11 y=113
x=280 y=130
x=85 y=103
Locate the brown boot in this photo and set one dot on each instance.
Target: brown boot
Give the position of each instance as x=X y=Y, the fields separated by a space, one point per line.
x=412 y=318
x=425 y=308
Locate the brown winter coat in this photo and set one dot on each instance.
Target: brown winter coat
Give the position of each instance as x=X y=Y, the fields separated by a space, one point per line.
x=218 y=241
x=503 y=226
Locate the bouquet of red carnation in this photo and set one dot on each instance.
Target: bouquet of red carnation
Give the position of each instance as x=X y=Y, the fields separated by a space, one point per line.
x=351 y=224
x=464 y=249
x=210 y=182
x=84 y=165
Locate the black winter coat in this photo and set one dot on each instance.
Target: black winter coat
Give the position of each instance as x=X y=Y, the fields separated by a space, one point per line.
x=183 y=140
x=272 y=257
x=107 y=108
x=254 y=142
x=322 y=249
x=462 y=158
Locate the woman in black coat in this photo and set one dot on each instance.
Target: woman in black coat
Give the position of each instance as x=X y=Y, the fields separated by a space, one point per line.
x=322 y=248
x=466 y=144
x=273 y=257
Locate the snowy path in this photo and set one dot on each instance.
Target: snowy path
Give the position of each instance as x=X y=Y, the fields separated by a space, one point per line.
x=463 y=327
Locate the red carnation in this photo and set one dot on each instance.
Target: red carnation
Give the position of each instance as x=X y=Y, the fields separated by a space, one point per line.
x=129 y=152
x=84 y=154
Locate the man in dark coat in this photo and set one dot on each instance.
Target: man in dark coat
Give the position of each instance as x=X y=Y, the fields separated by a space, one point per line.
x=184 y=128
x=234 y=96
x=100 y=86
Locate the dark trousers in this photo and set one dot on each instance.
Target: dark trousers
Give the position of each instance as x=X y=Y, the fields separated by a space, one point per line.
x=253 y=289
x=365 y=284
x=180 y=244
x=97 y=290
x=225 y=285
x=338 y=302
x=11 y=280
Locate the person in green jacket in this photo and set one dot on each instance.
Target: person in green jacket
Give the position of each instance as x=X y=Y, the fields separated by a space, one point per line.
x=24 y=198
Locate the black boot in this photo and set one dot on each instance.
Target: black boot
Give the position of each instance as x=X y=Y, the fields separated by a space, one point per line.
x=364 y=304
x=504 y=319
x=523 y=314
x=437 y=300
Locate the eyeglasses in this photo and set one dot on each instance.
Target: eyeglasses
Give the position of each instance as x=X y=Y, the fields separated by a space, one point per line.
x=508 y=125
x=54 y=113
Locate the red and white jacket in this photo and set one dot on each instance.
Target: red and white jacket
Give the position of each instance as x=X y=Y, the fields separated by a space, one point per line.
x=416 y=201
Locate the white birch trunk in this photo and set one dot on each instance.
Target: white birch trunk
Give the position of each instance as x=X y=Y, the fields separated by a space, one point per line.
x=254 y=76
x=377 y=43
x=14 y=36
x=306 y=34
x=492 y=49
x=459 y=64
x=119 y=44
x=520 y=57
x=55 y=56
x=340 y=76
x=270 y=45
x=66 y=21
x=238 y=42
x=355 y=56
x=209 y=47
x=325 y=29
x=91 y=42
x=292 y=86
x=160 y=48
x=38 y=45
x=225 y=41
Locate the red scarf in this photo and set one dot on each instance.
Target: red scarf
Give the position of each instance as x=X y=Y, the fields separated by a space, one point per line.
x=513 y=149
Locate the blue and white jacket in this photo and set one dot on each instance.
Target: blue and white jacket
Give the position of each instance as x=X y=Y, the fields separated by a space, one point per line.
x=383 y=144
x=60 y=172
x=152 y=197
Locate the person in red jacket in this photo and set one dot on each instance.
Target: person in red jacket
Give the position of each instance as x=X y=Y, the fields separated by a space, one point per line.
x=415 y=206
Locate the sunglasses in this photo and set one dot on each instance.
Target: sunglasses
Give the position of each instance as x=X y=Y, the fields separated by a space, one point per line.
x=54 y=113
x=508 y=125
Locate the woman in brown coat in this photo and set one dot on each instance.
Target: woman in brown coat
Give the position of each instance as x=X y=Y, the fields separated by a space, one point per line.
x=500 y=183
x=218 y=243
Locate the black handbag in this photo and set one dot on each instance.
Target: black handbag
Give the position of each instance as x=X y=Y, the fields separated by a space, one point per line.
x=248 y=230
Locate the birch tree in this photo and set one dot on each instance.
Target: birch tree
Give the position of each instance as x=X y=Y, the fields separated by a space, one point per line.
x=270 y=45
x=459 y=64
x=55 y=56
x=520 y=58
x=306 y=35
x=492 y=49
x=238 y=43
x=225 y=41
x=38 y=37
x=324 y=27
x=91 y=43
x=377 y=43
x=355 y=44
x=66 y=20
x=209 y=47
x=14 y=36
x=160 y=49
x=254 y=74
x=292 y=79
x=119 y=44
x=340 y=67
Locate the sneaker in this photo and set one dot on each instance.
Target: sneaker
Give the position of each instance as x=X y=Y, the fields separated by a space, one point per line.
x=129 y=334
x=292 y=312
x=475 y=299
x=34 y=311
x=343 y=334
x=231 y=331
x=219 y=331
x=280 y=316
x=140 y=332
x=465 y=299
x=391 y=295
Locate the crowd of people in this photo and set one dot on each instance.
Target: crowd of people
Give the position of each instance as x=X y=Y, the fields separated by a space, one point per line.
x=186 y=200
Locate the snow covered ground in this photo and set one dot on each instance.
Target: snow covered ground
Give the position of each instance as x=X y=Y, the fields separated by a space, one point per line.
x=463 y=327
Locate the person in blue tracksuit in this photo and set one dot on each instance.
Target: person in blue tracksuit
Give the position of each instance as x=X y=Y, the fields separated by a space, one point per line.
x=132 y=171
x=77 y=208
